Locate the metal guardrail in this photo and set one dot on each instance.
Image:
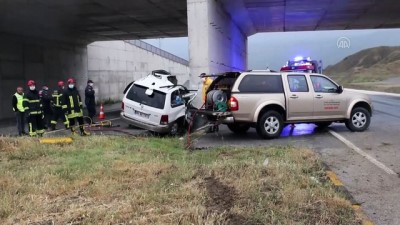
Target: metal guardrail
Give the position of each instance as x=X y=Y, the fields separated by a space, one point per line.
x=158 y=51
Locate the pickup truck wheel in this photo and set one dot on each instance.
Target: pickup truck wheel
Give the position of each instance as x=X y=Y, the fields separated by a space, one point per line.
x=270 y=125
x=359 y=120
x=238 y=128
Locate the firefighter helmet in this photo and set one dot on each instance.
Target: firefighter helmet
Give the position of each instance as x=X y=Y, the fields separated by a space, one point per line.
x=71 y=81
x=31 y=83
x=60 y=83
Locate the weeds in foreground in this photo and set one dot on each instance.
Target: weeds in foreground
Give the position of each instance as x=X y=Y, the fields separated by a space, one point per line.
x=119 y=180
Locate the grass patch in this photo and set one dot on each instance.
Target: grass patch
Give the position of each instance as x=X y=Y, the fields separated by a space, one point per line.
x=121 y=180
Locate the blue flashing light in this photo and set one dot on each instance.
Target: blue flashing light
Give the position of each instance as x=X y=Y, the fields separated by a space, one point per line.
x=298 y=58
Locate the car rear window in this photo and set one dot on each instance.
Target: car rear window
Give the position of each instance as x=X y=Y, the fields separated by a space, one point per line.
x=137 y=94
x=261 y=84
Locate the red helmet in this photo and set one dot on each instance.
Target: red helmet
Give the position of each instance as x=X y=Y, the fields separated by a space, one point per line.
x=71 y=81
x=60 y=83
x=31 y=83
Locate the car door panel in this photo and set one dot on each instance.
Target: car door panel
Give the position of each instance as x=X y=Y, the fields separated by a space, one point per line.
x=300 y=103
x=328 y=103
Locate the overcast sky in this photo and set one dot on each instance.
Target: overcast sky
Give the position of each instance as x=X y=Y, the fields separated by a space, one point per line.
x=274 y=49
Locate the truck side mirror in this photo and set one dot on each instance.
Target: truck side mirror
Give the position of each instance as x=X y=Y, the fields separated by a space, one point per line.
x=340 y=89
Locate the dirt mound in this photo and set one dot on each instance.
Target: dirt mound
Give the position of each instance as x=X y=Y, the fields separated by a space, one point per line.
x=221 y=199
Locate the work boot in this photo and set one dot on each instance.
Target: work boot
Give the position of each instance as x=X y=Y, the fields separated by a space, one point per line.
x=73 y=131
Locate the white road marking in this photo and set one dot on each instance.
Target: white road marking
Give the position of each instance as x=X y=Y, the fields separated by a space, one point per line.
x=361 y=152
x=55 y=131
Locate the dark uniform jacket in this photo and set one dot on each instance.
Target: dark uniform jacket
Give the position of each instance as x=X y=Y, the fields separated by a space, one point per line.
x=89 y=96
x=46 y=101
x=72 y=103
x=57 y=98
x=33 y=104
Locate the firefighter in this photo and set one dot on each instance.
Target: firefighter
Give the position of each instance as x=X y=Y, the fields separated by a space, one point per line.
x=33 y=106
x=58 y=111
x=47 y=110
x=206 y=83
x=72 y=104
x=18 y=107
x=90 y=101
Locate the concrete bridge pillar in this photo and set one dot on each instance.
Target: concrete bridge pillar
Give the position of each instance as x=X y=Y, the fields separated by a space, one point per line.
x=216 y=43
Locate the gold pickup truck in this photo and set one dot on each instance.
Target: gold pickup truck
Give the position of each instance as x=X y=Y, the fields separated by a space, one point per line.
x=268 y=100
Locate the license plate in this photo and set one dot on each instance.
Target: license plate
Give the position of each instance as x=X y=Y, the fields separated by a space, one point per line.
x=145 y=115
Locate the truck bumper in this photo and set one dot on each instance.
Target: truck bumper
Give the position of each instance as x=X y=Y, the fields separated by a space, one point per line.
x=214 y=116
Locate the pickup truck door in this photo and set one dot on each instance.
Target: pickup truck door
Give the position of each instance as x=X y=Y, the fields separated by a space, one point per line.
x=328 y=103
x=300 y=104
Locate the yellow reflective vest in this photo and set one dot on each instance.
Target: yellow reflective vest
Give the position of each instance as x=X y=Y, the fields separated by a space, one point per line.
x=206 y=84
x=20 y=102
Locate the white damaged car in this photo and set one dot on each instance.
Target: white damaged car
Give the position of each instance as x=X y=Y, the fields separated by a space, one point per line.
x=157 y=103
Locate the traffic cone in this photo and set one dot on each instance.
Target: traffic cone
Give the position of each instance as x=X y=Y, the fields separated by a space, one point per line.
x=102 y=116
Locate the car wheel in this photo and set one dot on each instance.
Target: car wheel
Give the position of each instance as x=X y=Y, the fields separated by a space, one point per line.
x=238 y=128
x=323 y=124
x=359 y=120
x=270 y=125
x=177 y=127
x=174 y=129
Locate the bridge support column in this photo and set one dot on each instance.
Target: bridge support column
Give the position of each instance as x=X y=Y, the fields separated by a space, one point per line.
x=22 y=59
x=216 y=43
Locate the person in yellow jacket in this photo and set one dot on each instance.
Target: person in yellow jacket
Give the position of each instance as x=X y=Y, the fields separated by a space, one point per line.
x=19 y=109
x=206 y=84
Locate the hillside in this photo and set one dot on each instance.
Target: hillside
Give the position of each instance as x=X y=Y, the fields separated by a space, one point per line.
x=369 y=69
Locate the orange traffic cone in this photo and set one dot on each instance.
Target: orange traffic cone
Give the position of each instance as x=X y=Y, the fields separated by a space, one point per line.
x=102 y=116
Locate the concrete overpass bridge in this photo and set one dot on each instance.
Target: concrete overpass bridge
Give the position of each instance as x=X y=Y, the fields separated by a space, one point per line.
x=46 y=39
